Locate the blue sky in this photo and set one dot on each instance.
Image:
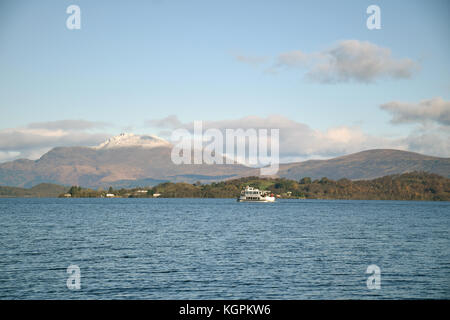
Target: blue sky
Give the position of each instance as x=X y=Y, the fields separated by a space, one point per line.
x=134 y=61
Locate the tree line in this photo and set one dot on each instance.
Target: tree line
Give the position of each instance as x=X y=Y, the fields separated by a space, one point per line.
x=407 y=186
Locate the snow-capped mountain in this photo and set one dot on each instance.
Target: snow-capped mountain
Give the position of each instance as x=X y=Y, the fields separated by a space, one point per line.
x=133 y=140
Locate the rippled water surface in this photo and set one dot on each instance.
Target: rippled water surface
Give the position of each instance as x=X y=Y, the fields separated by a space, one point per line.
x=221 y=249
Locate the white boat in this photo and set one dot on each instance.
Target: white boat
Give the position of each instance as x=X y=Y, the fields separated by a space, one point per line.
x=250 y=194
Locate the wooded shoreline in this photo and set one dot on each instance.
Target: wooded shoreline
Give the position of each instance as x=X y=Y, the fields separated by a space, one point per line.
x=408 y=186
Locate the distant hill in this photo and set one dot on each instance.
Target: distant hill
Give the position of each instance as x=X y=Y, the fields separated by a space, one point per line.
x=43 y=190
x=120 y=167
x=132 y=161
x=368 y=164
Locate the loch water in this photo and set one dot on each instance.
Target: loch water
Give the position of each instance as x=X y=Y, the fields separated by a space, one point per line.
x=221 y=249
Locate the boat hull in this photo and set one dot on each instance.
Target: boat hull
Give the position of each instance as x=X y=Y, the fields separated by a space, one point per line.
x=266 y=199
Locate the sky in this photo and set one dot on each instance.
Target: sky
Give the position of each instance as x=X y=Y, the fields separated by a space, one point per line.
x=310 y=68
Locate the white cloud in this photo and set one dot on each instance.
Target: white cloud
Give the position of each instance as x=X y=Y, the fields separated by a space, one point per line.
x=35 y=139
x=299 y=141
x=436 y=142
x=435 y=110
x=431 y=133
x=8 y=155
x=348 y=61
x=295 y=58
x=69 y=125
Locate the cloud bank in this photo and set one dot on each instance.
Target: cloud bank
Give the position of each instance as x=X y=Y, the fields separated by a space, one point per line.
x=68 y=125
x=435 y=110
x=35 y=139
x=431 y=124
x=298 y=141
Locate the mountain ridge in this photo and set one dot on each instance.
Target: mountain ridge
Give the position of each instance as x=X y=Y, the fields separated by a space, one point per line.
x=367 y=164
x=131 y=165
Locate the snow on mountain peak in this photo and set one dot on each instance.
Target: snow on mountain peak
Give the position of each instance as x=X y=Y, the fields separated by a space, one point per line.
x=133 y=140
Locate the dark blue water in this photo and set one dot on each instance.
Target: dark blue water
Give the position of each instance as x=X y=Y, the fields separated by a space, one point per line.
x=221 y=249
